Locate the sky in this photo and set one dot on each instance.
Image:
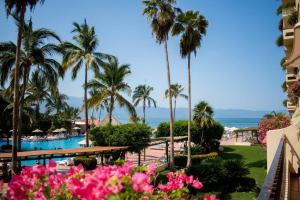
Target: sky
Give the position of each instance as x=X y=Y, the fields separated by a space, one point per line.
x=237 y=66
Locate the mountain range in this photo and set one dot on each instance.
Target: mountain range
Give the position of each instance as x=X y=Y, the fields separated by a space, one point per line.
x=181 y=113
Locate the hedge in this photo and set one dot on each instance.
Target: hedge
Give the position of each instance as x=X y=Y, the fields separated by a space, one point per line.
x=135 y=136
x=181 y=160
x=89 y=163
x=207 y=137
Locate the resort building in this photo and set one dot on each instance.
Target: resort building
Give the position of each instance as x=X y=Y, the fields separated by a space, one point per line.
x=96 y=122
x=283 y=145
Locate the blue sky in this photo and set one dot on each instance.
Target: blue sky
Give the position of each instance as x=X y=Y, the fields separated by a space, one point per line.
x=236 y=67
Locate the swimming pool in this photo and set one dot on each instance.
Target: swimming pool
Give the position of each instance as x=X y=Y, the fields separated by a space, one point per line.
x=66 y=143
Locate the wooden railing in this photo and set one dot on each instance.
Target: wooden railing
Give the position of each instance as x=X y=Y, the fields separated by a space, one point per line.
x=272 y=186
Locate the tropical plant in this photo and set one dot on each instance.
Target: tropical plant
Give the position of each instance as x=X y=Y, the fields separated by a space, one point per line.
x=106 y=182
x=272 y=121
x=176 y=91
x=110 y=85
x=191 y=26
x=71 y=113
x=37 y=92
x=135 y=136
x=161 y=15
x=141 y=94
x=18 y=9
x=56 y=103
x=83 y=52
x=36 y=51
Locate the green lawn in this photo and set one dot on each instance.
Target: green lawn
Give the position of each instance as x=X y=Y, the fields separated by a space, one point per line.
x=256 y=159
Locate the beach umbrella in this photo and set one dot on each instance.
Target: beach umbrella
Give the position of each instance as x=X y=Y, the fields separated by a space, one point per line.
x=63 y=130
x=37 y=131
x=56 y=131
x=83 y=142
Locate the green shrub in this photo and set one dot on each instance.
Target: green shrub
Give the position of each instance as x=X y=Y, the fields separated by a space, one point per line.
x=135 y=136
x=211 y=172
x=245 y=184
x=235 y=169
x=197 y=149
x=89 y=163
x=207 y=137
x=230 y=175
x=180 y=160
x=180 y=129
x=119 y=162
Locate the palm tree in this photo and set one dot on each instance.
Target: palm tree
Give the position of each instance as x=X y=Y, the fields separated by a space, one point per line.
x=142 y=94
x=36 y=51
x=111 y=85
x=37 y=92
x=191 y=26
x=176 y=91
x=161 y=15
x=203 y=115
x=83 y=52
x=99 y=107
x=18 y=8
x=57 y=103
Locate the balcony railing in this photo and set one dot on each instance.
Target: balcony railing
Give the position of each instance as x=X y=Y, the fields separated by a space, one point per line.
x=272 y=186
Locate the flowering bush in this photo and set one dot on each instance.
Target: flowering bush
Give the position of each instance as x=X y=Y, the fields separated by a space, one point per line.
x=105 y=182
x=271 y=123
x=294 y=92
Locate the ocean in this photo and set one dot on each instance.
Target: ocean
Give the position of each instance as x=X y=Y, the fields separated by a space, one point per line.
x=226 y=122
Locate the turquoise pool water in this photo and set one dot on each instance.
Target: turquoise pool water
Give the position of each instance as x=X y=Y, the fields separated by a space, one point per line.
x=42 y=145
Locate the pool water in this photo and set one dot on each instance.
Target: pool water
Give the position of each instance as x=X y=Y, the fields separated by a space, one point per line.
x=52 y=144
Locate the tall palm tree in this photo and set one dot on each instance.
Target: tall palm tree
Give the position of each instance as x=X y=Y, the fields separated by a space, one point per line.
x=203 y=115
x=176 y=92
x=57 y=103
x=161 y=15
x=111 y=84
x=191 y=26
x=37 y=92
x=36 y=52
x=101 y=105
x=142 y=94
x=18 y=8
x=83 y=52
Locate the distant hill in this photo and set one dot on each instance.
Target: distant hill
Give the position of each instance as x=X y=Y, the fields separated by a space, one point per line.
x=181 y=113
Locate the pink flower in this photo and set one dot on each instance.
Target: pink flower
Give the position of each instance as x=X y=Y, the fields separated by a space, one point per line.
x=197 y=184
x=141 y=183
x=210 y=197
x=151 y=169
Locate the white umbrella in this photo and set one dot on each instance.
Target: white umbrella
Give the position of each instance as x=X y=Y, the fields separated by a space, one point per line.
x=37 y=131
x=83 y=142
x=63 y=130
x=56 y=131
x=76 y=128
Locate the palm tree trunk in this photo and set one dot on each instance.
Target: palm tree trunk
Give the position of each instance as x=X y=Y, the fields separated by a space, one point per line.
x=16 y=91
x=174 y=108
x=144 y=107
x=189 y=160
x=93 y=116
x=86 y=109
x=111 y=108
x=21 y=106
x=171 y=162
